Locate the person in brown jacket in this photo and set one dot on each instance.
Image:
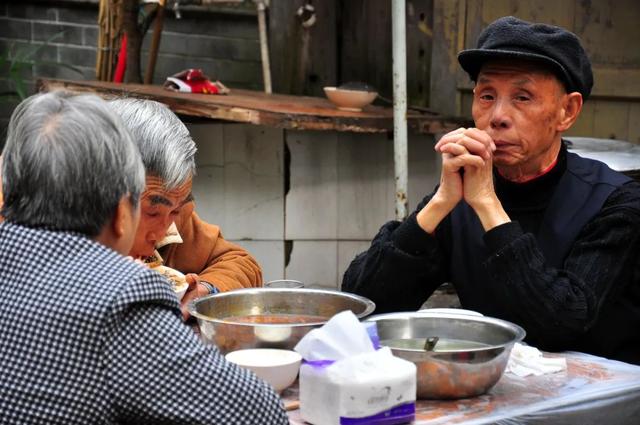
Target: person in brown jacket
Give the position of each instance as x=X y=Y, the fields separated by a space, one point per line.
x=169 y=229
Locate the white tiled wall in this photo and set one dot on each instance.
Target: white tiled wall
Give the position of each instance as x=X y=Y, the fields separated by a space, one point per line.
x=269 y=254
x=314 y=262
x=341 y=191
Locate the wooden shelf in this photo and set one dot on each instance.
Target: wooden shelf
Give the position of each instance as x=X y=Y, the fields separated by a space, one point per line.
x=275 y=110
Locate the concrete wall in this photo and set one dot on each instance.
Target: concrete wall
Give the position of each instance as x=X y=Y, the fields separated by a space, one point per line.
x=304 y=203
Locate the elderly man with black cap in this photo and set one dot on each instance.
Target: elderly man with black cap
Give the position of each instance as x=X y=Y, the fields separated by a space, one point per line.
x=523 y=229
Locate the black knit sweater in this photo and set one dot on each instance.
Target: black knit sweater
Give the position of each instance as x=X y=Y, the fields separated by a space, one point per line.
x=591 y=305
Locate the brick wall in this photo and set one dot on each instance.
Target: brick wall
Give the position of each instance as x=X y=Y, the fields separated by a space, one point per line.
x=223 y=43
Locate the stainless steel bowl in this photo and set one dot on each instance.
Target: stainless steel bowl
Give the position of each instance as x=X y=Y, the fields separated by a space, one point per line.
x=217 y=315
x=471 y=358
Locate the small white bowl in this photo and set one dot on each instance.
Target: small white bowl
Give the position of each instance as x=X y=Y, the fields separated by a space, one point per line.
x=350 y=100
x=278 y=367
x=180 y=290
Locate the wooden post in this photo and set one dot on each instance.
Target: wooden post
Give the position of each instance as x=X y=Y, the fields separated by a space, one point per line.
x=134 y=40
x=448 y=34
x=155 y=43
x=308 y=61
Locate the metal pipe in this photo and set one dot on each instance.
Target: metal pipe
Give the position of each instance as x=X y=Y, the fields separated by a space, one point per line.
x=264 y=46
x=400 y=150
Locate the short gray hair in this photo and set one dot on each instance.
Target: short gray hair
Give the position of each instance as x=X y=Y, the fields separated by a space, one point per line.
x=67 y=163
x=166 y=147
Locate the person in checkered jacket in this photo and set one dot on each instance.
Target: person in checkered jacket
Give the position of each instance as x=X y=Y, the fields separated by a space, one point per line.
x=86 y=334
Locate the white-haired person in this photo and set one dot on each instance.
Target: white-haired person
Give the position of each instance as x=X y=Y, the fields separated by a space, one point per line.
x=88 y=335
x=169 y=227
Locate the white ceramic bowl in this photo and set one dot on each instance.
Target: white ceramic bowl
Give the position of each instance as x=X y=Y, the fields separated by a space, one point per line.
x=350 y=100
x=180 y=290
x=278 y=367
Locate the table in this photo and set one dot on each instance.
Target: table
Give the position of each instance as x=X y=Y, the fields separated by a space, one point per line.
x=593 y=390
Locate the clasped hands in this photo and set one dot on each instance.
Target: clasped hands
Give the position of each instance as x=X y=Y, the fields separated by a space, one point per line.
x=467 y=173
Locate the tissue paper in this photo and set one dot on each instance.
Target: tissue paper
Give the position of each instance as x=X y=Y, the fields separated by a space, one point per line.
x=526 y=360
x=342 y=336
x=345 y=381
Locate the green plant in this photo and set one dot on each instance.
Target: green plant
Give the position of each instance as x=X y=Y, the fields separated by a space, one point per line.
x=17 y=59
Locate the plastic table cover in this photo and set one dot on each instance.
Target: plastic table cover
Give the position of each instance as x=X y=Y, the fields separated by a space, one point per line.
x=593 y=390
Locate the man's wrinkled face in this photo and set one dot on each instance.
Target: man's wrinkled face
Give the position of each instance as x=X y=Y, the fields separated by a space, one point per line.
x=520 y=106
x=158 y=209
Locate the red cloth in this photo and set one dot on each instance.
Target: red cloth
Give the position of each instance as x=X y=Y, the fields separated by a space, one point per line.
x=121 y=66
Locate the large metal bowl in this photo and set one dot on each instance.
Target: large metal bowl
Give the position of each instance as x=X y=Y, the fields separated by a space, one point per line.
x=216 y=315
x=467 y=367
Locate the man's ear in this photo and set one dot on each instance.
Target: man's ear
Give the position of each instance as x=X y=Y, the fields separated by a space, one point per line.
x=120 y=217
x=571 y=107
x=113 y=231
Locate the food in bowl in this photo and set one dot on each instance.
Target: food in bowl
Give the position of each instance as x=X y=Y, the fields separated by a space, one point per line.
x=246 y=318
x=176 y=278
x=466 y=355
x=278 y=367
x=277 y=319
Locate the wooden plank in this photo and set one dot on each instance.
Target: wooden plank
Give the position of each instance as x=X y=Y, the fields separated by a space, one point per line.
x=477 y=19
x=616 y=83
x=419 y=49
x=281 y=111
x=447 y=30
x=321 y=40
x=366 y=46
x=548 y=11
x=612 y=120
x=283 y=37
x=610 y=33
x=366 y=51
x=583 y=127
x=466 y=103
x=310 y=61
x=634 y=123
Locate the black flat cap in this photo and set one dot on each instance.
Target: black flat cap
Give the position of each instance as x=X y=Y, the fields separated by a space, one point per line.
x=513 y=38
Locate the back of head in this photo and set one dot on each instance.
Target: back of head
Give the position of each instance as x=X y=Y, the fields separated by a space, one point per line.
x=556 y=48
x=165 y=145
x=67 y=163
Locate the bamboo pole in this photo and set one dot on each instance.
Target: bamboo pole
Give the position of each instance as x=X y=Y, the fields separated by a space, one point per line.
x=102 y=11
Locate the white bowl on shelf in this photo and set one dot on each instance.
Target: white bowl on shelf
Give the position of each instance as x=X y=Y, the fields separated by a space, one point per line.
x=350 y=100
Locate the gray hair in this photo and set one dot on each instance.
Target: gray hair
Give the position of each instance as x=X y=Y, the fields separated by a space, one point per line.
x=67 y=163
x=166 y=147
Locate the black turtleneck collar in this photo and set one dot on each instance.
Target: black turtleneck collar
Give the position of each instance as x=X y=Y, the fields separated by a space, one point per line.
x=534 y=193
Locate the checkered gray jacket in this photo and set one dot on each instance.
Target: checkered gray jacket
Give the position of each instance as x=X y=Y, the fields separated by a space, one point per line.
x=88 y=336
